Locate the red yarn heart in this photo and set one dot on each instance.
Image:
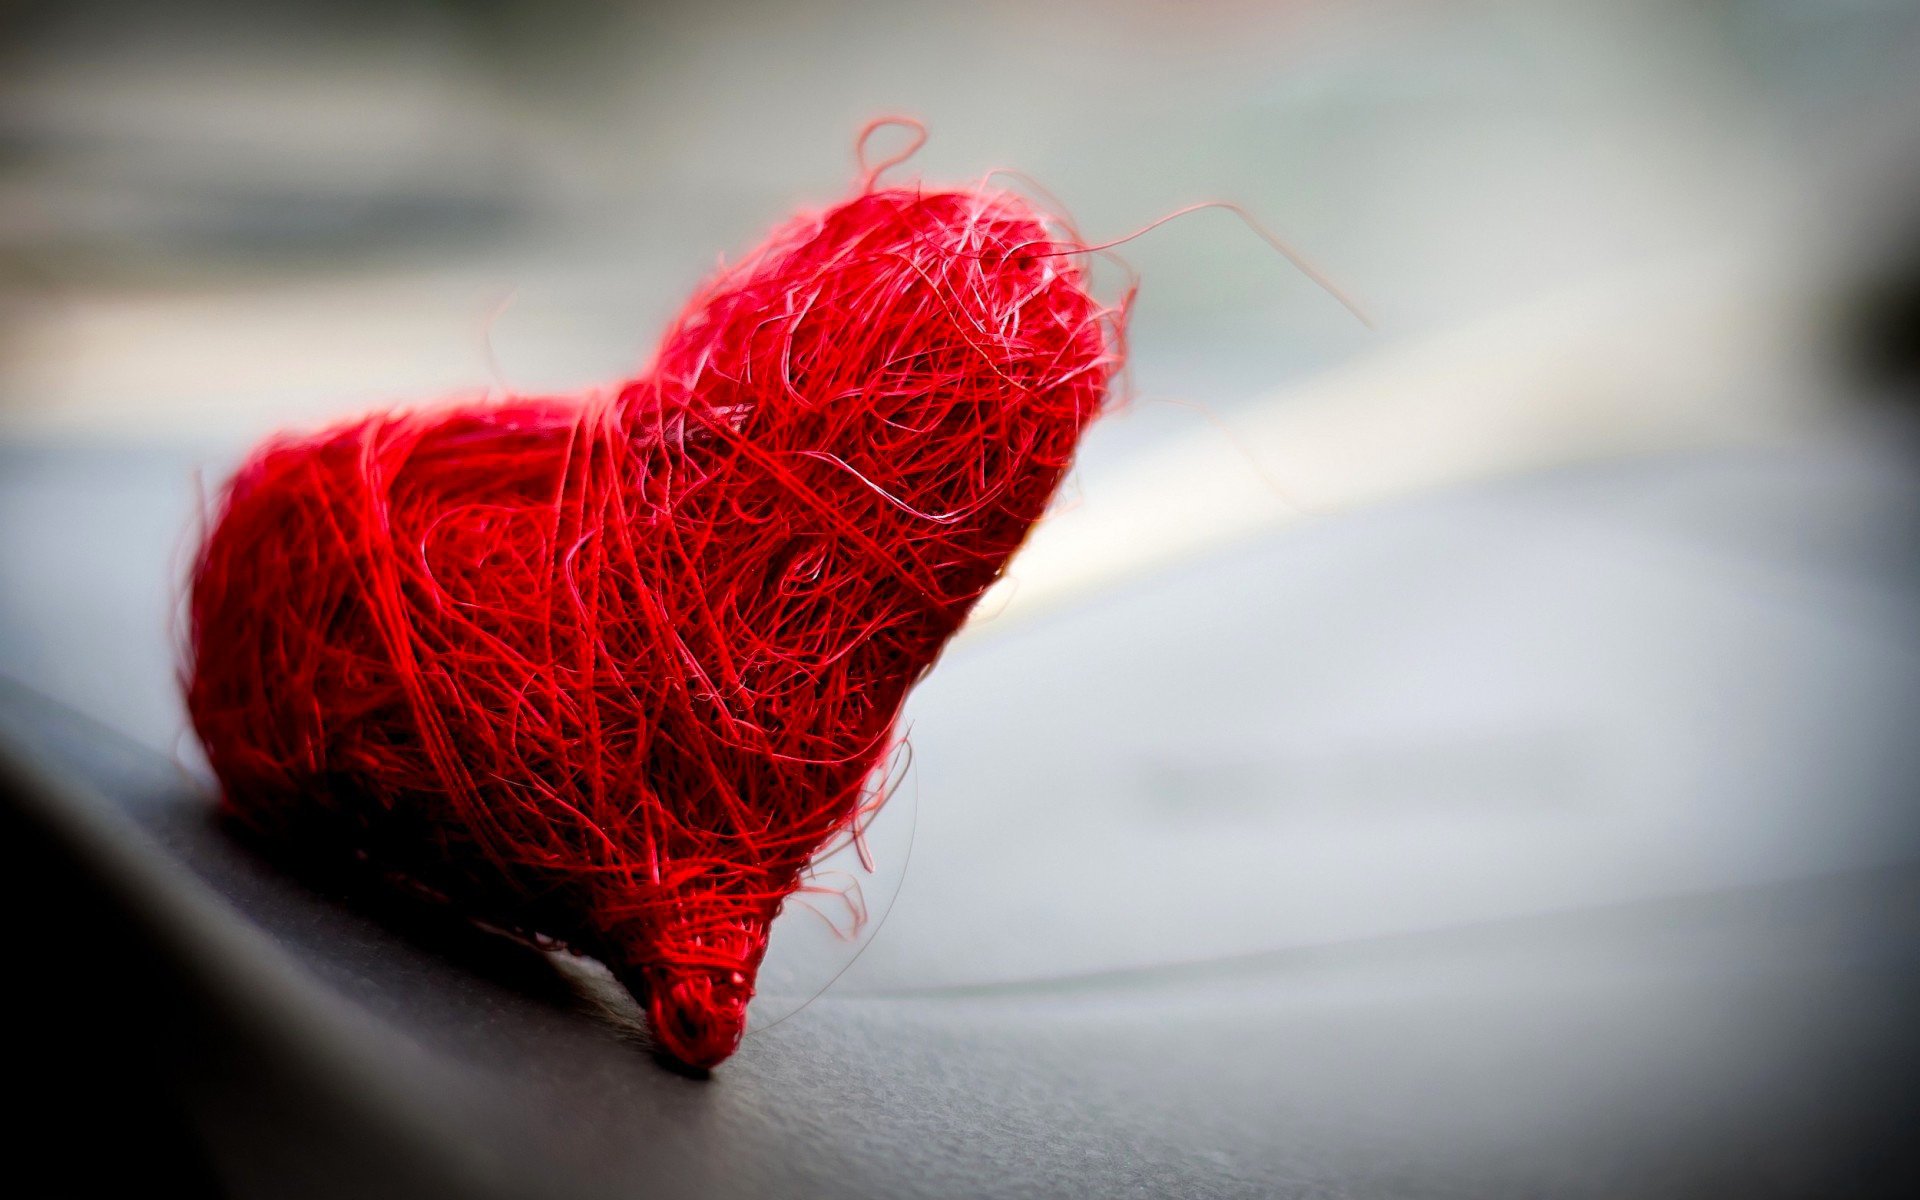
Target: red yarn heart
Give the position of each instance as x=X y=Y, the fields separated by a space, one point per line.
x=612 y=670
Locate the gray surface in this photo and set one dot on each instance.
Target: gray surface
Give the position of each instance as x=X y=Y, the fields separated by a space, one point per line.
x=1552 y=838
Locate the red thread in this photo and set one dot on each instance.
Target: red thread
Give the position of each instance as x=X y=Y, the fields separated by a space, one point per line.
x=612 y=669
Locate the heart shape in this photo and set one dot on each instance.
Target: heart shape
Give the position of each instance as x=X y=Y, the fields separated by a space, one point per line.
x=612 y=670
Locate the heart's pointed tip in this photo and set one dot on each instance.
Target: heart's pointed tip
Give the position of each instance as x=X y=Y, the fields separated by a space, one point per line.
x=696 y=988
x=698 y=1017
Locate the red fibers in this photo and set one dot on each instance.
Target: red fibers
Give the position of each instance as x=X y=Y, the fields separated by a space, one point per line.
x=612 y=670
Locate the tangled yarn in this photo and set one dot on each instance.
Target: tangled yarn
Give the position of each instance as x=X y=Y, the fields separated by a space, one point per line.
x=613 y=669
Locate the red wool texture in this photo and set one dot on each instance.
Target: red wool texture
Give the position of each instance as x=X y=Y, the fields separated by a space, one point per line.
x=613 y=669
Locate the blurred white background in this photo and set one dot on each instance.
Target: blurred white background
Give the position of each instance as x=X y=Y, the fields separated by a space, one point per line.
x=216 y=218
